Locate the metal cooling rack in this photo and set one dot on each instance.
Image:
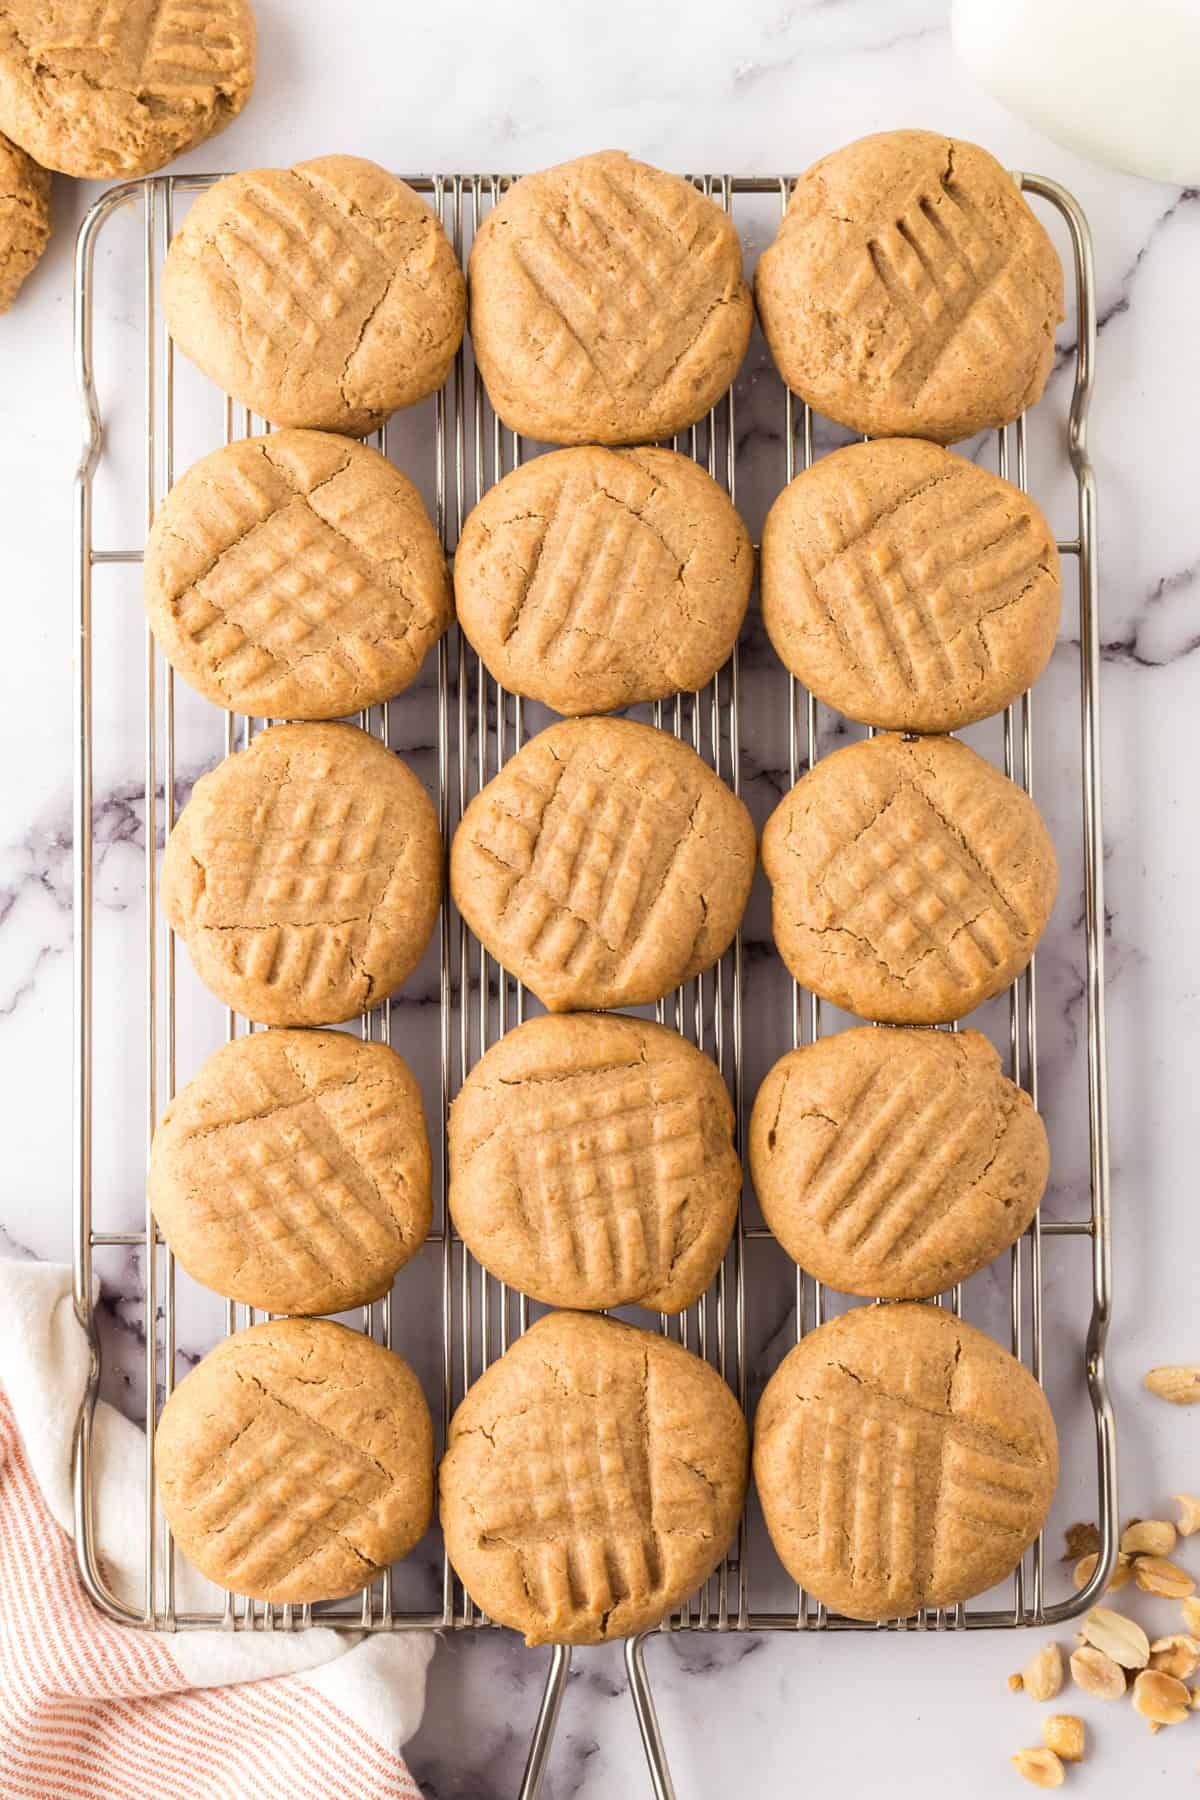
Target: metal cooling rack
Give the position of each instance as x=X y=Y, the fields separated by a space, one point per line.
x=477 y=726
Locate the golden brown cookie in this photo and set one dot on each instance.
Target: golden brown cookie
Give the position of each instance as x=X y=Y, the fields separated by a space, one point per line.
x=305 y=875
x=295 y=1461
x=593 y=1478
x=604 y=865
x=607 y=303
x=590 y=579
x=902 y=1460
x=592 y=1163
x=24 y=218
x=295 y=576
x=910 y=291
x=906 y=587
x=293 y=1172
x=118 y=89
x=896 y=1162
x=910 y=880
x=324 y=295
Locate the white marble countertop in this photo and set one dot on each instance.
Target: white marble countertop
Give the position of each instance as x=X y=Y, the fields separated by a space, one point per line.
x=762 y=86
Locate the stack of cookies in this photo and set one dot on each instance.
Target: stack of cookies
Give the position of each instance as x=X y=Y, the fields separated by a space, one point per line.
x=596 y=1472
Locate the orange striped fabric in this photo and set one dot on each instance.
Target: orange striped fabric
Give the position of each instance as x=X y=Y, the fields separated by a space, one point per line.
x=95 y=1710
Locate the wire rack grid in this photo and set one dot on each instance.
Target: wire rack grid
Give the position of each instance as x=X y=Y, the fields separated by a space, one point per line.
x=478 y=725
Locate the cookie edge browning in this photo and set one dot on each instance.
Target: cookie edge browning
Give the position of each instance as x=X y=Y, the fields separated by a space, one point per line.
x=528 y=416
x=455 y=1512
x=776 y=296
x=190 y=323
x=565 y=999
x=777 y=1404
x=789 y=935
x=779 y=578
x=171 y=1205
x=801 y=1244
x=173 y=881
x=475 y=608
x=673 y=1297
x=25 y=224
x=205 y=475
x=408 y=1403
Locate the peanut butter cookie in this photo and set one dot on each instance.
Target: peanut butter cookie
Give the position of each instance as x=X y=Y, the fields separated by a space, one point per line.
x=593 y=1478
x=592 y=1163
x=120 y=89
x=295 y=576
x=24 y=218
x=591 y=579
x=903 y=1460
x=896 y=1162
x=910 y=291
x=910 y=880
x=908 y=588
x=323 y=295
x=607 y=303
x=305 y=875
x=295 y=1461
x=604 y=865
x=293 y=1172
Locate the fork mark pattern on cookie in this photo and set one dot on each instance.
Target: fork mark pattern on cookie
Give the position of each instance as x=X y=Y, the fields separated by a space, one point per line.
x=901 y=610
x=604 y=1173
x=313 y=1483
x=878 y=1518
x=576 y=1507
x=587 y=859
x=600 y=321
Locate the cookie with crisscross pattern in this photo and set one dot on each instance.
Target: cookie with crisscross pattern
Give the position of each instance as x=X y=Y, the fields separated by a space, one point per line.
x=593 y=1477
x=98 y=88
x=903 y=1460
x=909 y=588
x=293 y=1171
x=305 y=875
x=607 y=302
x=910 y=291
x=325 y=295
x=295 y=1461
x=910 y=880
x=604 y=864
x=896 y=1162
x=592 y=1163
x=295 y=576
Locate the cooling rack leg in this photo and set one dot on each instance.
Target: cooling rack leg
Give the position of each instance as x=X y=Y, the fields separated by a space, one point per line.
x=547 y=1719
x=647 y=1718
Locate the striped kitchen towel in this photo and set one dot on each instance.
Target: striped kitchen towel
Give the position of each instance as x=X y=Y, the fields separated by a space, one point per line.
x=90 y=1707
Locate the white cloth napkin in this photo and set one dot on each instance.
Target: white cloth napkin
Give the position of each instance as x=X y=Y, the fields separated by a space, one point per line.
x=105 y=1711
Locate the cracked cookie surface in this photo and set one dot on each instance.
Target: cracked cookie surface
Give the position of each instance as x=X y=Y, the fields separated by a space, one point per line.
x=24 y=218
x=592 y=1163
x=910 y=291
x=895 y=1163
x=295 y=576
x=100 y=88
x=902 y=1460
x=607 y=303
x=295 y=1461
x=907 y=587
x=604 y=864
x=293 y=1171
x=305 y=875
x=910 y=880
x=324 y=295
x=591 y=579
x=593 y=1477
